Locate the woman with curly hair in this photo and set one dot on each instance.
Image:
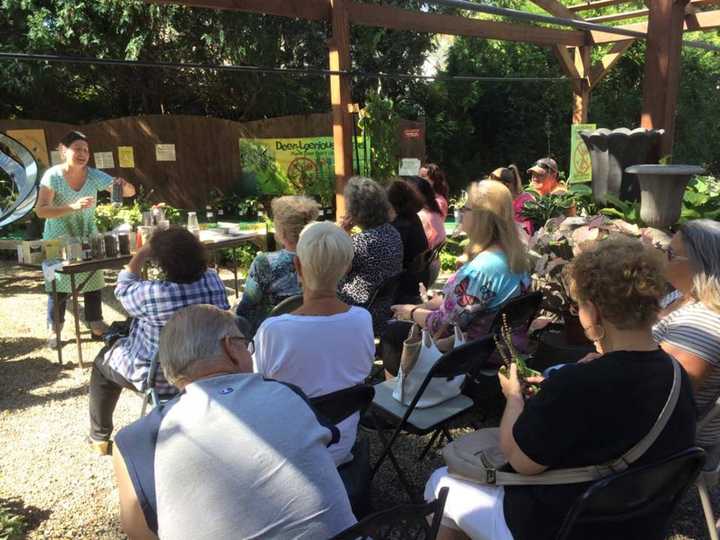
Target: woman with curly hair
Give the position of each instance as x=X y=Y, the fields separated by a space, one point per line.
x=378 y=247
x=584 y=414
x=272 y=277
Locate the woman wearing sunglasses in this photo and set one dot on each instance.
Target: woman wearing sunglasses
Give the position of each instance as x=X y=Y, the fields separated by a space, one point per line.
x=689 y=328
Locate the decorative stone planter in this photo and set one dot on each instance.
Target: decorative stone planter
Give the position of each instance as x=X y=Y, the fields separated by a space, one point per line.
x=611 y=151
x=661 y=191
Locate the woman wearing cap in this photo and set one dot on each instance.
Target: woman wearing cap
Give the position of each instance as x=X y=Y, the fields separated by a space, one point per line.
x=510 y=177
x=544 y=177
x=68 y=193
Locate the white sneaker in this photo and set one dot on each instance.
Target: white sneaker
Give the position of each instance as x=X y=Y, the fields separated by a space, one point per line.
x=52 y=340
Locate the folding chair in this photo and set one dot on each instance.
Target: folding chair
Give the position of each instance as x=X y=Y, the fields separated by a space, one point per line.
x=431 y=419
x=387 y=289
x=710 y=475
x=431 y=271
x=519 y=312
x=623 y=505
x=408 y=521
x=336 y=407
x=151 y=396
x=290 y=304
x=416 y=273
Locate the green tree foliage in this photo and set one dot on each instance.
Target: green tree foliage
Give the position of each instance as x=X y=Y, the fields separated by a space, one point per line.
x=135 y=30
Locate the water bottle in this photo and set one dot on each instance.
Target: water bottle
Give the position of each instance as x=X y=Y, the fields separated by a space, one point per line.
x=116 y=198
x=192 y=224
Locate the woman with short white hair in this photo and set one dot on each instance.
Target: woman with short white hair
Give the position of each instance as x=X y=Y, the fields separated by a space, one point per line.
x=689 y=329
x=272 y=278
x=325 y=345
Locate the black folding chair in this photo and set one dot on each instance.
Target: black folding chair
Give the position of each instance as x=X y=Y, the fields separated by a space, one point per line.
x=290 y=304
x=416 y=272
x=430 y=273
x=386 y=290
x=519 y=312
x=336 y=407
x=431 y=419
x=151 y=397
x=624 y=505
x=407 y=521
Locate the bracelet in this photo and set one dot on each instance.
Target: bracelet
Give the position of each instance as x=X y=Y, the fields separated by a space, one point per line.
x=412 y=313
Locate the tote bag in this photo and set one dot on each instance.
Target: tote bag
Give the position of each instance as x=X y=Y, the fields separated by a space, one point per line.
x=419 y=355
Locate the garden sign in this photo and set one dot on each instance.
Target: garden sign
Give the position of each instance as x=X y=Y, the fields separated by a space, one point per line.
x=297 y=165
x=580 y=164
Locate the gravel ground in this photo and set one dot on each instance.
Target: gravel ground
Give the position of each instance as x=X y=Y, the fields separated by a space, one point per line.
x=48 y=474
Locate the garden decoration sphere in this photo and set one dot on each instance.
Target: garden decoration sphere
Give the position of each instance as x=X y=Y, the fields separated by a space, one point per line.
x=611 y=151
x=661 y=191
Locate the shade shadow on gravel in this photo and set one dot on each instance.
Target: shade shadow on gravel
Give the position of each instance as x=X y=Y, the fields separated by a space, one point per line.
x=22 y=378
x=32 y=515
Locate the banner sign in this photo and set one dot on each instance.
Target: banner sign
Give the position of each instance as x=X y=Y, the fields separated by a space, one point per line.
x=580 y=165
x=298 y=165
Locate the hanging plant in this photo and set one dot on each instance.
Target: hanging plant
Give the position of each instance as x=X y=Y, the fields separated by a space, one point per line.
x=379 y=123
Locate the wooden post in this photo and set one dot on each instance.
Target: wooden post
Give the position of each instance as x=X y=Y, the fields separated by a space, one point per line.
x=581 y=86
x=339 y=45
x=661 y=81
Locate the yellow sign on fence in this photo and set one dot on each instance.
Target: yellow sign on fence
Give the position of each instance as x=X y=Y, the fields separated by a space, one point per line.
x=580 y=165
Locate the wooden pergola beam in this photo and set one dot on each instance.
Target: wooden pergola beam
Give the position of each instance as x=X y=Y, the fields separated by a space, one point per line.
x=597 y=4
x=567 y=62
x=398 y=19
x=553 y=7
x=313 y=10
x=690 y=9
x=702 y=20
x=416 y=21
x=608 y=61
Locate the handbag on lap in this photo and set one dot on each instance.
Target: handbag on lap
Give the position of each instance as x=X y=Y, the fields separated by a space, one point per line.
x=477 y=456
x=420 y=353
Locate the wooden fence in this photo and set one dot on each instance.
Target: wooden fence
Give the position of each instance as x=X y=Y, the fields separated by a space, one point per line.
x=206 y=150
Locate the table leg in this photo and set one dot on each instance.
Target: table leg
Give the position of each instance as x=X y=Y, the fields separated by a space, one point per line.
x=235 y=267
x=56 y=321
x=76 y=313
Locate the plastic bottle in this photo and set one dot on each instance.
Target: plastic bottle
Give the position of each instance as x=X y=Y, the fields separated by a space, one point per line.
x=116 y=198
x=192 y=224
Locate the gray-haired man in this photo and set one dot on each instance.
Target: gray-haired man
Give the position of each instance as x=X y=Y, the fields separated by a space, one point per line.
x=235 y=455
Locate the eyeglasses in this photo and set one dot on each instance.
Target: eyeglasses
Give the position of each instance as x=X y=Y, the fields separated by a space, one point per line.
x=249 y=343
x=672 y=256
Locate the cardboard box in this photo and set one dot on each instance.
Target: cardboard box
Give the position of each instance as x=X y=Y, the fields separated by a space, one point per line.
x=31 y=252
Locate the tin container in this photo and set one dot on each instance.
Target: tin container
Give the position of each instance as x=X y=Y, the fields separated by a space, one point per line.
x=74 y=250
x=124 y=243
x=97 y=245
x=111 y=245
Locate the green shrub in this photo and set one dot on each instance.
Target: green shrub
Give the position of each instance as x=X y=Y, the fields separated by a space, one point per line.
x=12 y=526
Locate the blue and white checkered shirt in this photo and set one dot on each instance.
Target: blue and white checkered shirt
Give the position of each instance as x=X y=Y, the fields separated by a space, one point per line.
x=151 y=304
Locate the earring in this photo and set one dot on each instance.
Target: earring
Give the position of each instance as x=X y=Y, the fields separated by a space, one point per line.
x=599 y=337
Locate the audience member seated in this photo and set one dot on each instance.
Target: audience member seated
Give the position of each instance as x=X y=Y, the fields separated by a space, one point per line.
x=325 y=345
x=584 y=414
x=510 y=177
x=378 y=247
x=406 y=202
x=234 y=456
x=435 y=175
x=689 y=329
x=497 y=272
x=430 y=215
x=272 y=278
x=187 y=280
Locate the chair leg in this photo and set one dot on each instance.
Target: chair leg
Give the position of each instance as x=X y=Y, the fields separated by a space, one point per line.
x=707 y=508
x=429 y=445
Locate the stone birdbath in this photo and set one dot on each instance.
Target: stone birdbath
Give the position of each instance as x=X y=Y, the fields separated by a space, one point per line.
x=661 y=191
